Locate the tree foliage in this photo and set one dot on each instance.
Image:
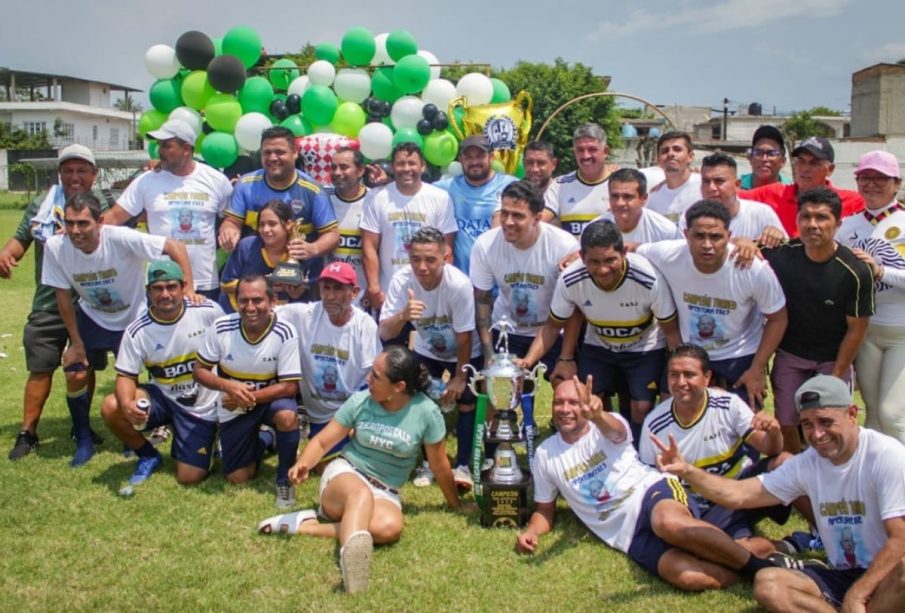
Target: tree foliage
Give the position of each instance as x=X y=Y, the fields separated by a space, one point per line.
x=801 y=125
x=16 y=138
x=824 y=111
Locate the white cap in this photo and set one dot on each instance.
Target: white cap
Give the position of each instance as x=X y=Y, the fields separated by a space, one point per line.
x=175 y=128
x=77 y=152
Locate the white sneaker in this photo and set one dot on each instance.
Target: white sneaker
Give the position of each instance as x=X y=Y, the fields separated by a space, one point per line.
x=424 y=477
x=462 y=478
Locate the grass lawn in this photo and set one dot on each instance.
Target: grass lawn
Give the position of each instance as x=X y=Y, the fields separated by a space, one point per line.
x=70 y=543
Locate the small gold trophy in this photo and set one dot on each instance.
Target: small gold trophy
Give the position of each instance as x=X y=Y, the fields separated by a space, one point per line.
x=291 y=272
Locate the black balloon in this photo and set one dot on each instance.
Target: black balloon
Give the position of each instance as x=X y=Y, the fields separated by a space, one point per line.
x=206 y=128
x=294 y=104
x=425 y=127
x=374 y=119
x=278 y=109
x=194 y=50
x=441 y=121
x=243 y=165
x=226 y=74
x=385 y=108
x=430 y=111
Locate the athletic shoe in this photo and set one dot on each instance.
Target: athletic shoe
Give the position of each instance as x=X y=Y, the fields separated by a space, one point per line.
x=84 y=451
x=26 y=442
x=355 y=561
x=782 y=560
x=462 y=478
x=285 y=495
x=159 y=435
x=424 y=476
x=95 y=437
x=799 y=542
x=145 y=468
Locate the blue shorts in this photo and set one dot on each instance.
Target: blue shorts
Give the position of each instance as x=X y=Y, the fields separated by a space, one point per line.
x=833 y=583
x=98 y=340
x=314 y=429
x=239 y=436
x=643 y=371
x=436 y=368
x=647 y=548
x=519 y=345
x=193 y=437
x=727 y=372
x=740 y=523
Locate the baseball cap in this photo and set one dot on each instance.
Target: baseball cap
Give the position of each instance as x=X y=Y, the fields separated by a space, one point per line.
x=164 y=270
x=816 y=146
x=882 y=161
x=175 y=128
x=478 y=140
x=823 y=392
x=771 y=133
x=77 y=152
x=341 y=272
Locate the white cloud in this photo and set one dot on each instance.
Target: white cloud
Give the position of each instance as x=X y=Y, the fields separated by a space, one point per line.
x=890 y=52
x=719 y=17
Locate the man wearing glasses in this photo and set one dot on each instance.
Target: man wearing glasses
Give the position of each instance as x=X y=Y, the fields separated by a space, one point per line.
x=767 y=156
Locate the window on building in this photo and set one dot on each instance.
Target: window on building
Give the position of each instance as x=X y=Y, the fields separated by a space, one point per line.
x=35 y=127
x=67 y=132
x=94 y=133
x=114 y=137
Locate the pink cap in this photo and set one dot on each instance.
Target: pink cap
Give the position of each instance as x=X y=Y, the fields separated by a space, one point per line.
x=882 y=161
x=341 y=272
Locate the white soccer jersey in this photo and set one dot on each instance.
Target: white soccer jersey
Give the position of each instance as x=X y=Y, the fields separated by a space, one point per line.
x=186 y=209
x=335 y=360
x=604 y=483
x=714 y=441
x=526 y=277
x=449 y=310
x=750 y=221
x=168 y=350
x=721 y=311
x=651 y=228
x=396 y=217
x=272 y=358
x=110 y=280
x=621 y=319
x=348 y=213
x=672 y=203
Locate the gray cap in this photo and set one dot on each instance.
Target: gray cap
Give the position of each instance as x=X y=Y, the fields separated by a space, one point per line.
x=76 y=152
x=478 y=140
x=817 y=146
x=175 y=128
x=823 y=392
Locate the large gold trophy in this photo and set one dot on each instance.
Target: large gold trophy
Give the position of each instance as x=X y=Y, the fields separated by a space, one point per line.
x=506 y=125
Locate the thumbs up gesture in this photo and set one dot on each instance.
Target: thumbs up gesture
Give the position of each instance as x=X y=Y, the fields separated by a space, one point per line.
x=414 y=308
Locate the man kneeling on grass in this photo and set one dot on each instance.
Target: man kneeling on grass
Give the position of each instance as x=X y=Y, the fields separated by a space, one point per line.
x=628 y=505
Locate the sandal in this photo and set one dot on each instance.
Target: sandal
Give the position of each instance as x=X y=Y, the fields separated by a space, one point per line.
x=288 y=523
x=355 y=561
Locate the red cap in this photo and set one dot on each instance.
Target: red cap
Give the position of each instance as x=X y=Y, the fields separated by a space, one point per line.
x=341 y=272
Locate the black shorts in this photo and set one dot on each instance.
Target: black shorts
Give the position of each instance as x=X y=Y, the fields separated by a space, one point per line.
x=647 y=548
x=436 y=368
x=519 y=345
x=239 y=436
x=193 y=437
x=642 y=371
x=726 y=373
x=97 y=339
x=44 y=340
x=833 y=583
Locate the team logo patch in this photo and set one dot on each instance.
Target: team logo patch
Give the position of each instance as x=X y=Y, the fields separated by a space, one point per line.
x=501 y=131
x=892 y=233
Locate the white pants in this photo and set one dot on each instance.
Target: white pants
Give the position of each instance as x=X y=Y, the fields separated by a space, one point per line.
x=880 y=368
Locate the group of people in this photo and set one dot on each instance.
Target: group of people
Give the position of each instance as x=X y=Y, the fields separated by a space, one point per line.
x=656 y=298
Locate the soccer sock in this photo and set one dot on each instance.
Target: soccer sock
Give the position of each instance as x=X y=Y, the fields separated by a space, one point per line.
x=636 y=434
x=266 y=438
x=753 y=565
x=287 y=450
x=79 y=404
x=146 y=451
x=465 y=435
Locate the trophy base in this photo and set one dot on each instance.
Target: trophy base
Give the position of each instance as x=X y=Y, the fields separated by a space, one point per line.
x=289 y=273
x=506 y=505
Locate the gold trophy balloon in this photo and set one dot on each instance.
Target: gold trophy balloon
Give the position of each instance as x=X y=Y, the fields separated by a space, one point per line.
x=506 y=125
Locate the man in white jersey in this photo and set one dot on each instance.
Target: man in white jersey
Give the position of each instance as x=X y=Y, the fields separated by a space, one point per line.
x=105 y=266
x=257 y=359
x=393 y=213
x=682 y=187
x=856 y=484
x=182 y=199
x=590 y=461
x=438 y=300
x=337 y=345
x=717 y=432
x=637 y=223
x=630 y=313
x=347 y=169
x=540 y=164
x=165 y=340
x=721 y=306
x=521 y=257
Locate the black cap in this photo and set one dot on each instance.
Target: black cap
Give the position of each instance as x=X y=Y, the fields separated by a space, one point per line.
x=769 y=132
x=478 y=140
x=816 y=146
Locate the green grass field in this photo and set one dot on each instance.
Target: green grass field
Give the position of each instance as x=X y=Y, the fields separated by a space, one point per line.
x=70 y=543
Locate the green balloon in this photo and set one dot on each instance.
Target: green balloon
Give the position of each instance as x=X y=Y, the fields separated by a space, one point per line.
x=400 y=44
x=440 y=148
x=150 y=120
x=349 y=119
x=497 y=166
x=297 y=125
x=153 y=150
x=282 y=73
x=256 y=95
x=408 y=135
x=196 y=89
x=244 y=43
x=200 y=140
x=501 y=92
x=220 y=149
x=319 y=104
x=222 y=111
x=328 y=52
x=218 y=46
x=411 y=74
x=383 y=85
x=520 y=168
x=358 y=46
x=165 y=95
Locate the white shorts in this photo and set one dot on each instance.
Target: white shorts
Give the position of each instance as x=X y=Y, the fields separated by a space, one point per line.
x=341 y=466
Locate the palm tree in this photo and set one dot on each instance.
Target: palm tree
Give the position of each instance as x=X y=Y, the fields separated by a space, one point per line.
x=128 y=104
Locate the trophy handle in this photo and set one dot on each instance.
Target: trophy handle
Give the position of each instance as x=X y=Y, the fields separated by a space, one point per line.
x=475 y=377
x=454 y=104
x=536 y=375
x=524 y=100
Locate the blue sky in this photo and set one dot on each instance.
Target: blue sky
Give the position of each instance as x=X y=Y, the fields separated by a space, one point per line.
x=787 y=54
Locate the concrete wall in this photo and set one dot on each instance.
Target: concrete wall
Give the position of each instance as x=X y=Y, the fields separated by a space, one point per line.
x=878 y=101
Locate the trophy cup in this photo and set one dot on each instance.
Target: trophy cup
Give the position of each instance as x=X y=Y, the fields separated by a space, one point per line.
x=506 y=489
x=290 y=272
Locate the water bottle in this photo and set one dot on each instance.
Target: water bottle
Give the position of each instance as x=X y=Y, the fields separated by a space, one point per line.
x=435 y=391
x=143 y=405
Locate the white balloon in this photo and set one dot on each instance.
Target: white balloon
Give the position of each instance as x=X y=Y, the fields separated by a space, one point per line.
x=477 y=88
x=375 y=140
x=439 y=92
x=406 y=112
x=248 y=130
x=298 y=85
x=321 y=72
x=352 y=84
x=161 y=62
x=381 y=57
x=189 y=116
x=454 y=169
x=432 y=60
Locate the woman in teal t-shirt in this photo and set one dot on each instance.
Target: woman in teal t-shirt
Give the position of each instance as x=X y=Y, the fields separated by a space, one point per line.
x=359 y=490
